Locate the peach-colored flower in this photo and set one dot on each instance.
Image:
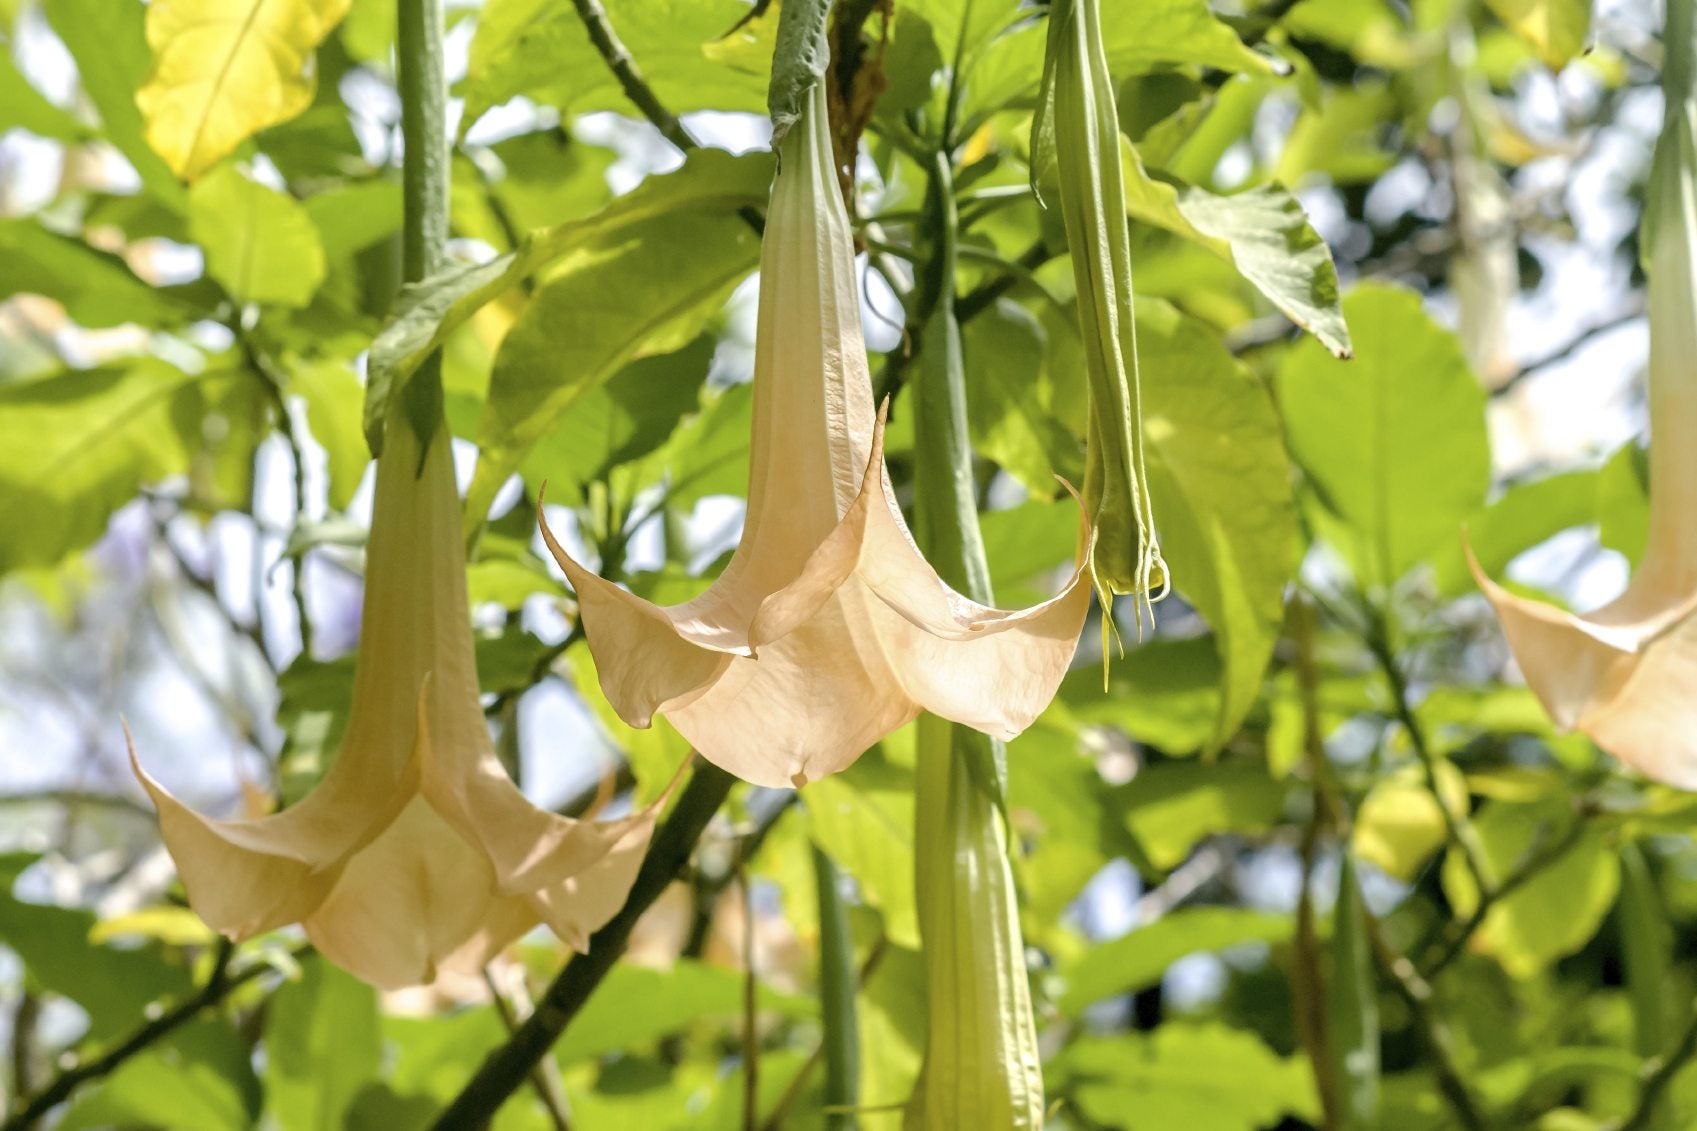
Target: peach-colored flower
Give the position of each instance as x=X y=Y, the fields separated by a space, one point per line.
x=828 y=629
x=1626 y=674
x=415 y=853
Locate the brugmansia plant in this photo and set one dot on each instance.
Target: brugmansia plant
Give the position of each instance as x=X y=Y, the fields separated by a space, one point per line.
x=415 y=854
x=1623 y=673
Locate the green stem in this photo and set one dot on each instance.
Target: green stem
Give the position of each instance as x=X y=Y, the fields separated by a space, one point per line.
x=424 y=180
x=838 y=981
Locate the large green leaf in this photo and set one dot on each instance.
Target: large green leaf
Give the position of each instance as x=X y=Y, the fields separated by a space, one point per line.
x=322 y=1045
x=1191 y=1075
x=1525 y=515
x=24 y=107
x=863 y=819
x=96 y=288
x=76 y=446
x=1395 y=440
x=198 y=1079
x=260 y=244
x=1555 y=912
x=1173 y=806
x=647 y=287
x=711 y=184
x=672 y=1000
x=541 y=49
x=1144 y=35
x=1220 y=481
x=114 y=985
x=1003 y=349
x=1261 y=231
x=1138 y=960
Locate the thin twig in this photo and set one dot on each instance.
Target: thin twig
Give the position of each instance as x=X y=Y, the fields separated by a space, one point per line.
x=750 y=1010
x=220 y=984
x=1456 y=825
x=618 y=59
x=508 y=1066
x=542 y=1080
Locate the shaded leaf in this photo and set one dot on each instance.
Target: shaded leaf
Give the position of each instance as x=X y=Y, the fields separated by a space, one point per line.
x=1138 y=960
x=322 y=1045
x=259 y=243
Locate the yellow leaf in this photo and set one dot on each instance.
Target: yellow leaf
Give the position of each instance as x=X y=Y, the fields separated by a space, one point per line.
x=225 y=69
x=1556 y=29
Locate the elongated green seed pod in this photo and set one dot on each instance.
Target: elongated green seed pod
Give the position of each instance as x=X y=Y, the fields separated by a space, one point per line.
x=1644 y=946
x=1352 y=1009
x=981 y=1067
x=1076 y=155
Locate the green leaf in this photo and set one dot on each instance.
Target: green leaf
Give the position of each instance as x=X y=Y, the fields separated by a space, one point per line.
x=1195 y=1075
x=198 y=1079
x=1525 y=515
x=1141 y=36
x=1395 y=440
x=1399 y=827
x=96 y=288
x=1009 y=423
x=322 y=1045
x=622 y=420
x=24 y=107
x=332 y=394
x=1138 y=960
x=646 y=287
x=863 y=819
x=1556 y=29
x=710 y=184
x=672 y=1000
x=114 y=985
x=1555 y=912
x=1623 y=502
x=1165 y=693
x=1262 y=231
x=109 y=44
x=1220 y=481
x=541 y=49
x=260 y=244
x=1172 y=806
x=708 y=454
x=353 y=216
x=76 y=446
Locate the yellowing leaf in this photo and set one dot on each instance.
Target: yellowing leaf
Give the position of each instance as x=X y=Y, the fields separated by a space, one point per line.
x=225 y=69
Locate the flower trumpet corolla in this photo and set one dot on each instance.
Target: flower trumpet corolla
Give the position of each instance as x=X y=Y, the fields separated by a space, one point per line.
x=1076 y=142
x=828 y=629
x=1626 y=674
x=415 y=853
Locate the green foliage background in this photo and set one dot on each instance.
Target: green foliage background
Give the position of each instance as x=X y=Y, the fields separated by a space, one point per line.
x=182 y=372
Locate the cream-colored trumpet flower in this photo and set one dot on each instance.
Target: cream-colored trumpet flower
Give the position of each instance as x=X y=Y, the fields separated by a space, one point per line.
x=415 y=853
x=1626 y=674
x=827 y=629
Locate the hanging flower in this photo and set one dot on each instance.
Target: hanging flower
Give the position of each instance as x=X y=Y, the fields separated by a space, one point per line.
x=1626 y=674
x=415 y=853
x=827 y=629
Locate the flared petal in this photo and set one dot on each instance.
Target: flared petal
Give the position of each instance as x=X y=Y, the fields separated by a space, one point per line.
x=246 y=877
x=1622 y=675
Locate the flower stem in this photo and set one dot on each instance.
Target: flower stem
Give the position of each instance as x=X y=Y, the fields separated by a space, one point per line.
x=838 y=982
x=424 y=180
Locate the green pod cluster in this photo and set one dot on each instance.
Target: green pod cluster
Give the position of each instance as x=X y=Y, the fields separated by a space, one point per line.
x=1075 y=147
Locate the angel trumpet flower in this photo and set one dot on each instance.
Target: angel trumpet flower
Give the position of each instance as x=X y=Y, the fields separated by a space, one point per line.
x=1626 y=674
x=415 y=853
x=828 y=629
